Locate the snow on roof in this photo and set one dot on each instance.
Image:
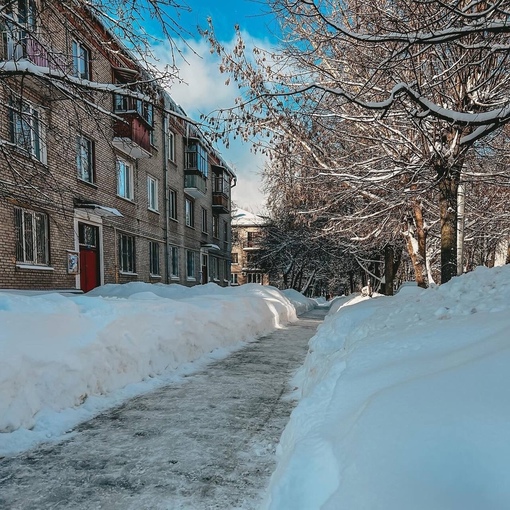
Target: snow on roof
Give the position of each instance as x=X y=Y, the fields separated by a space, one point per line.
x=242 y=218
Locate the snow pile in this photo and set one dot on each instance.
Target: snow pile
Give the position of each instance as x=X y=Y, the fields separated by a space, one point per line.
x=300 y=302
x=404 y=403
x=59 y=353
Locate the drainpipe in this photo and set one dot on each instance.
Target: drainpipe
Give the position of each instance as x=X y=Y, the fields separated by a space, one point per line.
x=164 y=127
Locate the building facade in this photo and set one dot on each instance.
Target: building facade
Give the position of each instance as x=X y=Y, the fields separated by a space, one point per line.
x=247 y=231
x=103 y=178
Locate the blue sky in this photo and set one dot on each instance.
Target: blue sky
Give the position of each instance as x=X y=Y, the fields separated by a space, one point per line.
x=204 y=89
x=251 y=15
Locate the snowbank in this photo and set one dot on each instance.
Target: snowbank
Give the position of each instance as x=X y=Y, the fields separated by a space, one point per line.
x=58 y=354
x=404 y=403
x=300 y=302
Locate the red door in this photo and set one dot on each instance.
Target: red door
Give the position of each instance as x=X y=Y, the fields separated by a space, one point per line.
x=89 y=256
x=89 y=269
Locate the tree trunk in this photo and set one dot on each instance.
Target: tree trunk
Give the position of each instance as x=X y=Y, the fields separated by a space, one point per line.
x=389 y=275
x=417 y=244
x=448 y=187
x=460 y=227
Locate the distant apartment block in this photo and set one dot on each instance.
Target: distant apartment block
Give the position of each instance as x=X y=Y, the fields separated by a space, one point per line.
x=247 y=229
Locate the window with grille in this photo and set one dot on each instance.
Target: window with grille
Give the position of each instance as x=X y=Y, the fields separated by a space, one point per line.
x=32 y=237
x=127 y=254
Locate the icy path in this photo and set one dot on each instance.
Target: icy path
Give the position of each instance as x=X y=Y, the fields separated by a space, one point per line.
x=205 y=443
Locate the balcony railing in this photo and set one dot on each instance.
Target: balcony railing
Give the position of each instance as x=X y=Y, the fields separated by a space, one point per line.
x=195 y=184
x=21 y=45
x=132 y=135
x=253 y=244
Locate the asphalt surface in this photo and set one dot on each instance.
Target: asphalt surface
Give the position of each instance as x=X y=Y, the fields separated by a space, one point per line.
x=207 y=442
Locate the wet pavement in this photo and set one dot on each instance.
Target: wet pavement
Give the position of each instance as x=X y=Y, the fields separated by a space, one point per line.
x=207 y=442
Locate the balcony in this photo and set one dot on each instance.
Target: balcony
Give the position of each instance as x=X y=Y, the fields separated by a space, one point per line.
x=221 y=194
x=21 y=45
x=132 y=135
x=252 y=245
x=195 y=183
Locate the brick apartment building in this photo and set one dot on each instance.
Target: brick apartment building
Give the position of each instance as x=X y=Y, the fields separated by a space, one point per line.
x=103 y=178
x=247 y=230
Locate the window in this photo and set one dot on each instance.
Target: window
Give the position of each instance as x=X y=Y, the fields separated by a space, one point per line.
x=254 y=278
x=152 y=193
x=190 y=265
x=225 y=236
x=23 y=11
x=190 y=213
x=125 y=180
x=214 y=270
x=171 y=146
x=205 y=227
x=127 y=253
x=216 y=226
x=16 y=33
x=27 y=130
x=235 y=258
x=172 y=204
x=81 y=61
x=85 y=158
x=174 y=261
x=32 y=237
x=154 y=258
x=233 y=279
x=196 y=158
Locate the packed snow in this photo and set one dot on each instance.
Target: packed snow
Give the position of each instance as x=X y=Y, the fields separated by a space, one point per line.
x=404 y=403
x=63 y=359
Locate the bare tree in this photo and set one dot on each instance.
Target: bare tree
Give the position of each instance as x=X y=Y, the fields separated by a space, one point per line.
x=42 y=59
x=430 y=79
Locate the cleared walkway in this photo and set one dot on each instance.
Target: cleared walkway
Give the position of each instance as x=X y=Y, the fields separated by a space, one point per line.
x=205 y=443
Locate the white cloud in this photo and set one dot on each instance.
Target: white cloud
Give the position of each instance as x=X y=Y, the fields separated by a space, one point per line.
x=203 y=90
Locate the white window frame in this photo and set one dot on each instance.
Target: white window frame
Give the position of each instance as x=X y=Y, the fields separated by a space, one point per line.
x=27 y=130
x=191 y=265
x=32 y=235
x=234 y=279
x=152 y=193
x=125 y=187
x=190 y=212
x=85 y=163
x=255 y=278
x=171 y=146
x=81 y=60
